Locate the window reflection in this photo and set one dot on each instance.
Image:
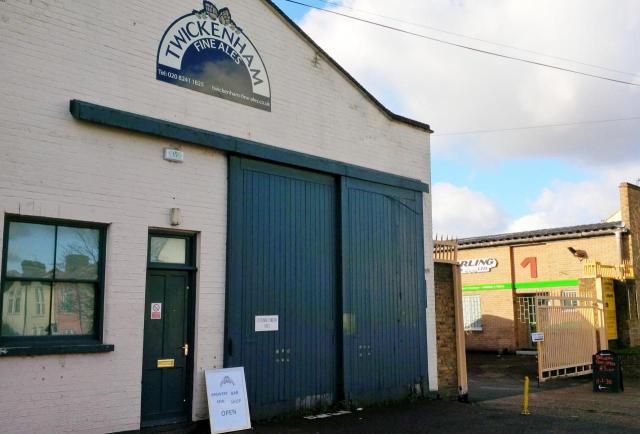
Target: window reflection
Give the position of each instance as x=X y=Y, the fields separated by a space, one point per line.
x=168 y=250
x=73 y=309
x=25 y=309
x=51 y=280
x=30 y=250
x=77 y=253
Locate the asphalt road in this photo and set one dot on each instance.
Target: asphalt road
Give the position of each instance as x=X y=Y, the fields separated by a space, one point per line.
x=563 y=406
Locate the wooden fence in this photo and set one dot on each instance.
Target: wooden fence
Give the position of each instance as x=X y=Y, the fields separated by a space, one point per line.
x=619 y=272
x=445 y=251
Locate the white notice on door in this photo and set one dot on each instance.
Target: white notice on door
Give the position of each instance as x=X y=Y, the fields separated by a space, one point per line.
x=267 y=323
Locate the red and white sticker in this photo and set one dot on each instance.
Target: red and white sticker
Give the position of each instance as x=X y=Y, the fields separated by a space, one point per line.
x=156 y=310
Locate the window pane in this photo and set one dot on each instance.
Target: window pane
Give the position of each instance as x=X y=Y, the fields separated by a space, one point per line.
x=25 y=309
x=168 y=250
x=77 y=253
x=472 y=313
x=30 y=250
x=73 y=308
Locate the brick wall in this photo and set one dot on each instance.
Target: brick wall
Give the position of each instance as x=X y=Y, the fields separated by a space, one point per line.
x=502 y=328
x=446 y=330
x=554 y=261
x=53 y=166
x=630 y=209
x=498 y=328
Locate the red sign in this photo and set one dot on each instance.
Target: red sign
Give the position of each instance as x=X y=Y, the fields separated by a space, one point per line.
x=156 y=310
x=533 y=262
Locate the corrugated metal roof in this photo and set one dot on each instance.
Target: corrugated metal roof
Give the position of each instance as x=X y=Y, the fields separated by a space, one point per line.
x=567 y=232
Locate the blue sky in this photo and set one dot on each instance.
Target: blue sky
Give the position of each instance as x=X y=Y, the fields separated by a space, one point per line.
x=505 y=180
x=297 y=12
x=509 y=181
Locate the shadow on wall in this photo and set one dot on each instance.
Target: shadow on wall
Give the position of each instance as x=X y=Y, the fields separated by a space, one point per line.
x=497 y=334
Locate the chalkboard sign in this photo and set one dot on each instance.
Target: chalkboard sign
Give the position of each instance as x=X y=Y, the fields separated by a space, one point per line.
x=607 y=372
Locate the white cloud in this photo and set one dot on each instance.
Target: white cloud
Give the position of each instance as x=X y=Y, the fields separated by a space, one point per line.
x=567 y=204
x=457 y=90
x=461 y=212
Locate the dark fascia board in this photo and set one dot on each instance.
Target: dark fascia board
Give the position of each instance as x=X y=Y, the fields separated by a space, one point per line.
x=102 y=115
x=373 y=99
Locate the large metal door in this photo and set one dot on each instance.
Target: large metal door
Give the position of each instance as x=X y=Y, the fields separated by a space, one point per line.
x=282 y=265
x=384 y=296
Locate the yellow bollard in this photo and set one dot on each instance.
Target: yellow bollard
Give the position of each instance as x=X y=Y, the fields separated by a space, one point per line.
x=525 y=400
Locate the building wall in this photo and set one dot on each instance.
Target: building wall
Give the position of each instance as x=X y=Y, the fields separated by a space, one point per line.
x=498 y=322
x=502 y=325
x=630 y=209
x=53 y=166
x=446 y=330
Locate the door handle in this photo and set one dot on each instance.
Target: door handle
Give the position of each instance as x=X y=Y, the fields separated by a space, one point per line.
x=185 y=348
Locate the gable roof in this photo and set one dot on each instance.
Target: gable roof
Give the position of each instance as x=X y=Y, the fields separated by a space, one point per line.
x=372 y=98
x=568 y=232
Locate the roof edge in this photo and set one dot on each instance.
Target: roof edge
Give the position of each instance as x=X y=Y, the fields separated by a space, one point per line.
x=561 y=233
x=385 y=110
x=630 y=185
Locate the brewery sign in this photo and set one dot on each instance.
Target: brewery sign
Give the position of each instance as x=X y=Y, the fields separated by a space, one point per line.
x=207 y=51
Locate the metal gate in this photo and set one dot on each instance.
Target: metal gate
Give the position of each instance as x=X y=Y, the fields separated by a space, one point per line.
x=570 y=325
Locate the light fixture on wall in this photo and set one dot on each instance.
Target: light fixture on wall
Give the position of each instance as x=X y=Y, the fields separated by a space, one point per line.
x=176 y=216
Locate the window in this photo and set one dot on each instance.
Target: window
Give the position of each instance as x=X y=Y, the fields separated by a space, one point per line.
x=51 y=281
x=39 y=301
x=15 y=301
x=569 y=298
x=472 y=313
x=168 y=250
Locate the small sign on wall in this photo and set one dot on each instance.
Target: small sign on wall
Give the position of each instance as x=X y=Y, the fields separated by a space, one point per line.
x=173 y=155
x=266 y=323
x=156 y=310
x=227 y=396
x=479 y=265
x=537 y=337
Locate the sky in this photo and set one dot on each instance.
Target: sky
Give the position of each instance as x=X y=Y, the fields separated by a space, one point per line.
x=507 y=181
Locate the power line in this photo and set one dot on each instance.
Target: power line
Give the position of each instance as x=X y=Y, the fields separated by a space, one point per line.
x=466 y=47
x=532 y=127
x=499 y=44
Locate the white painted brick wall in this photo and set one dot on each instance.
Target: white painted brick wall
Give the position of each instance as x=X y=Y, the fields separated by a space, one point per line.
x=52 y=51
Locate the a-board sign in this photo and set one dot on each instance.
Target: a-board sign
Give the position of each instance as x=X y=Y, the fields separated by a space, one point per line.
x=227 y=396
x=537 y=337
x=607 y=372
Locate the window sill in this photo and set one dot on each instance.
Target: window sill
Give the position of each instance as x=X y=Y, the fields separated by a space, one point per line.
x=55 y=349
